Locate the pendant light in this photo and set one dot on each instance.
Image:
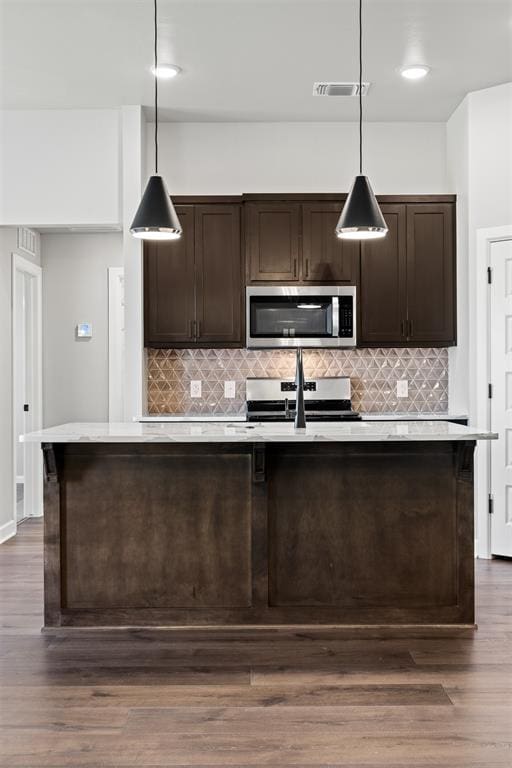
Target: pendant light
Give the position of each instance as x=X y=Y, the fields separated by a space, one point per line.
x=156 y=218
x=361 y=217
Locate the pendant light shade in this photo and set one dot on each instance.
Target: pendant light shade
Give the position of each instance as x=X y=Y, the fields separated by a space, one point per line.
x=361 y=217
x=156 y=218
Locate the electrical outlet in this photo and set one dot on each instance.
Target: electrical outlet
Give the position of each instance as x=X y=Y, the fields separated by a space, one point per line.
x=195 y=389
x=402 y=388
x=229 y=389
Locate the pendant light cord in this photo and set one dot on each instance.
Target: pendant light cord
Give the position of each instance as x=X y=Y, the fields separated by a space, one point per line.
x=156 y=84
x=360 y=87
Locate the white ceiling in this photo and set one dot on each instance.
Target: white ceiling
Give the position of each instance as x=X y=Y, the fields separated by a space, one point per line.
x=252 y=59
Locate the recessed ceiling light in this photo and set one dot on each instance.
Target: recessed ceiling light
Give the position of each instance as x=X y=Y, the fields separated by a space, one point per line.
x=415 y=72
x=165 y=71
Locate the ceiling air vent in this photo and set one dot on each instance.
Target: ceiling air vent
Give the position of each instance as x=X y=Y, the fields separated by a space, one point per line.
x=339 y=89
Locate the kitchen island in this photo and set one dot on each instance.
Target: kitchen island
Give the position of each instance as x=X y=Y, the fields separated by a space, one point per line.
x=207 y=524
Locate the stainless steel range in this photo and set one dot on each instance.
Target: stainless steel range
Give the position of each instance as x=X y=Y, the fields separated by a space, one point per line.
x=326 y=399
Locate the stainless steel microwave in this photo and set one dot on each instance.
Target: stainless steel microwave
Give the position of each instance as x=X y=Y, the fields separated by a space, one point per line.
x=300 y=316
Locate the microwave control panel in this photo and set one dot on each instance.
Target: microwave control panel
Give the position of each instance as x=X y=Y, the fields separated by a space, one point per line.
x=346 y=324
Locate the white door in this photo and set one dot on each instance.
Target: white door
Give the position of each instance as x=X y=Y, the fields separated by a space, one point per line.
x=500 y=347
x=26 y=291
x=22 y=306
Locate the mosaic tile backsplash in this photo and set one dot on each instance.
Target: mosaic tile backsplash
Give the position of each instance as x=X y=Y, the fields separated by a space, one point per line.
x=373 y=374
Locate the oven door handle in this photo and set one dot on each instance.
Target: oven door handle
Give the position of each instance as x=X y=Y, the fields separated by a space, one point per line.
x=335 y=316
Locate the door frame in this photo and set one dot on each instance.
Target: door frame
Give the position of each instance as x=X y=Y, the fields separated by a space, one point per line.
x=479 y=365
x=116 y=345
x=35 y=474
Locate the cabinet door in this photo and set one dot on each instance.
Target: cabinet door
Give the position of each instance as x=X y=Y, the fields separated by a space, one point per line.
x=218 y=274
x=382 y=295
x=169 y=286
x=431 y=273
x=272 y=238
x=325 y=257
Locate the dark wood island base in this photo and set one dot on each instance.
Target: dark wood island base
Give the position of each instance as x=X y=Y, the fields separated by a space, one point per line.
x=208 y=534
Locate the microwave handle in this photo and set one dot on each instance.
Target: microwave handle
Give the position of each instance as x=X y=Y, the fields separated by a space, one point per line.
x=335 y=316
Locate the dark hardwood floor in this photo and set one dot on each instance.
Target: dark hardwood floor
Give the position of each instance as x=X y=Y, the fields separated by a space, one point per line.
x=266 y=697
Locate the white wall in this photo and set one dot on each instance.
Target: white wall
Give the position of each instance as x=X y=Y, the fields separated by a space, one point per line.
x=60 y=167
x=133 y=172
x=490 y=205
x=480 y=164
x=8 y=246
x=75 y=289
x=490 y=148
x=490 y=187
x=231 y=158
x=457 y=145
x=479 y=161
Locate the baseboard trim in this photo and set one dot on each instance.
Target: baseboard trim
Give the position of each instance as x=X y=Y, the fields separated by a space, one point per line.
x=7 y=531
x=338 y=631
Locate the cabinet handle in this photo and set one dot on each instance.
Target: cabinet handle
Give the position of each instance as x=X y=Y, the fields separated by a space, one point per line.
x=307 y=267
x=199 y=329
x=295 y=267
x=192 y=329
x=410 y=329
x=402 y=327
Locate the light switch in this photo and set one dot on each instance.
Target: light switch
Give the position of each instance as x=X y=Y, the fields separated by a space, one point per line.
x=229 y=390
x=195 y=389
x=402 y=388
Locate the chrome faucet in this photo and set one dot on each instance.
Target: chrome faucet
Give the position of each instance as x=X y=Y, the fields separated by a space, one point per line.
x=300 y=412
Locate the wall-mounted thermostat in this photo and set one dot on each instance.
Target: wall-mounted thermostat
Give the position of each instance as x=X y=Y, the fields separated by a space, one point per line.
x=84 y=331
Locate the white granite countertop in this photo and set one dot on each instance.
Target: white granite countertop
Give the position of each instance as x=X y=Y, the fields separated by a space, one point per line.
x=214 y=432
x=411 y=416
x=189 y=417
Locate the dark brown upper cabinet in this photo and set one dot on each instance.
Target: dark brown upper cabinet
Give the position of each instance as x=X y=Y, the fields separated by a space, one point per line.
x=407 y=289
x=193 y=287
x=431 y=274
x=382 y=294
x=272 y=242
x=169 y=286
x=296 y=243
x=218 y=273
x=325 y=257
